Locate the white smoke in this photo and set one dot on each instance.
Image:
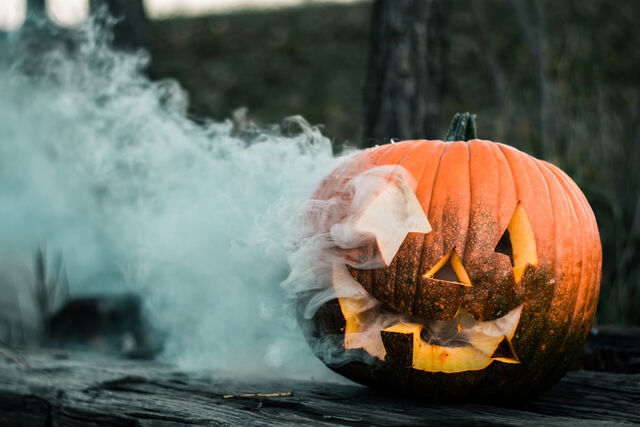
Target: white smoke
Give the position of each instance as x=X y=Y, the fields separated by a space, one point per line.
x=334 y=234
x=362 y=224
x=100 y=163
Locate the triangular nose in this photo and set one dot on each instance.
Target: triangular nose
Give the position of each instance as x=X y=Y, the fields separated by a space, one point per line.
x=446 y=273
x=449 y=269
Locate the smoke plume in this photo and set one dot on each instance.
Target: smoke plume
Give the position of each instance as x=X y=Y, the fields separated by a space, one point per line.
x=103 y=165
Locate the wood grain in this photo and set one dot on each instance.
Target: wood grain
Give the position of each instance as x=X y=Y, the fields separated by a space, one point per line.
x=51 y=388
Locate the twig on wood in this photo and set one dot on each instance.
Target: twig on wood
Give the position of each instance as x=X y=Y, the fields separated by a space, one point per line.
x=285 y=394
x=14 y=359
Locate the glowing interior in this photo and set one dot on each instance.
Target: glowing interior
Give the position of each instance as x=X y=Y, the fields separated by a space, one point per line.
x=457 y=345
x=456 y=264
x=523 y=242
x=355 y=336
x=477 y=343
x=358 y=309
x=482 y=341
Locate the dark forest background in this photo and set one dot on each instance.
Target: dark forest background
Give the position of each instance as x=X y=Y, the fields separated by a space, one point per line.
x=559 y=80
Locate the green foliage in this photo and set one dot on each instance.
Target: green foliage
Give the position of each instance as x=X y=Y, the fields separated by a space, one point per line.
x=285 y=62
x=312 y=61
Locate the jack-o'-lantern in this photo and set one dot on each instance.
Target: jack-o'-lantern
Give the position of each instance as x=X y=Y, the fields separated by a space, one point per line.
x=474 y=273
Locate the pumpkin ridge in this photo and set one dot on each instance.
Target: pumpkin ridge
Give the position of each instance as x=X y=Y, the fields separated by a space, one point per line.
x=510 y=168
x=552 y=253
x=595 y=246
x=496 y=212
x=415 y=268
x=571 y=196
x=422 y=248
x=586 y=272
x=485 y=194
x=552 y=344
x=383 y=278
x=588 y=263
x=463 y=252
x=570 y=323
x=486 y=179
x=447 y=210
x=367 y=275
x=453 y=198
x=454 y=202
x=396 y=260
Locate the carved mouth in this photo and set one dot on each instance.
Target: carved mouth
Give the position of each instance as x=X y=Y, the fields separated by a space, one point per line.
x=460 y=344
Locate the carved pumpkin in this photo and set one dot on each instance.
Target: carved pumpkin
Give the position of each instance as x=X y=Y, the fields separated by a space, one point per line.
x=485 y=276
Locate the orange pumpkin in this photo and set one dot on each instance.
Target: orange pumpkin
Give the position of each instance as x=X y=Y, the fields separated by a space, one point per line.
x=490 y=294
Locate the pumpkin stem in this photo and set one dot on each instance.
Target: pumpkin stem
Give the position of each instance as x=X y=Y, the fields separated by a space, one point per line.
x=462 y=128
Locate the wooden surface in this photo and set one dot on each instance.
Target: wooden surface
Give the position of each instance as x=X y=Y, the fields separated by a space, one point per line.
x=47 y=388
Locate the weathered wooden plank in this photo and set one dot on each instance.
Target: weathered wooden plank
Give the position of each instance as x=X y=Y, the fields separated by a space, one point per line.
x=49 y=388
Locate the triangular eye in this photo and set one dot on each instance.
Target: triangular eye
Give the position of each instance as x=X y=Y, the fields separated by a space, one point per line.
x=449 y=269
x=504 y=245
x=446 y=273
x=518 y=243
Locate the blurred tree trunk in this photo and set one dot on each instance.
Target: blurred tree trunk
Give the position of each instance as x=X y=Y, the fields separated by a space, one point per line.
x=406 y=75
x=534 y=27
x=485 y=49
x=132 y=29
